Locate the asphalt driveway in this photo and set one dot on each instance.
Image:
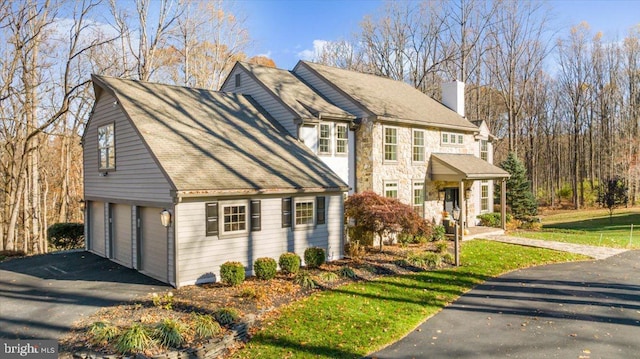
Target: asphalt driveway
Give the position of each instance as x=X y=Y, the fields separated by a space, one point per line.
x=570 y=310
x=42 y=296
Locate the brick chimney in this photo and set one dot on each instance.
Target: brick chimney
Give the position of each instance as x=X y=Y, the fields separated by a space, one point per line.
x=453 y=96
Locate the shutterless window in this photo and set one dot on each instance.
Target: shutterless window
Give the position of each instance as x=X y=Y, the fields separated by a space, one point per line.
x=324 y=139
x=304 y=212
x=390 y=144
x=484 y=150
x=418 y=145
x=234 y=218
x=391 y=189
x=341 y=138
x=106 y=147
x=484 y=196
x=418 y=197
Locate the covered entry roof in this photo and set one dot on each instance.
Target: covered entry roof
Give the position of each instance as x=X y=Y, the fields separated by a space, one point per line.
x=457 y=167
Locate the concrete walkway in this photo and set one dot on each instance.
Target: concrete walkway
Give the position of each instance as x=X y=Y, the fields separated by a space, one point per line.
x=590 y=251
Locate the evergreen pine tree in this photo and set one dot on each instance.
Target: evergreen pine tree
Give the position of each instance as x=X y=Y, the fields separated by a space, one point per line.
x=520 y=199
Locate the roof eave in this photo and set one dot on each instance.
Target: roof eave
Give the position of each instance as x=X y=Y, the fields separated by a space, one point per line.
x=263 y=191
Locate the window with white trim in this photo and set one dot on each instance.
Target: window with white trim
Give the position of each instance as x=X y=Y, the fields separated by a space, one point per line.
x=484 y=196
x=304 y=212
x=341 y=138
x=324 y=138
x=484 y=150
x=418 y=145
x=390 y=144
x=418 y=197
x=450 y=138
x=234 y=218
x=391 y=189
x=106 y=147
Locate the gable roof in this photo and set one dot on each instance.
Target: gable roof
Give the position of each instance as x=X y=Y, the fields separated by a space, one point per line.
x=214 y=143
x=301 y=99
x=391 y=100
x=456 y=167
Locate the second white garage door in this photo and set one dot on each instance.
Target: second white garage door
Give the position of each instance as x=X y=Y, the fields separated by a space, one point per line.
x=153 y=244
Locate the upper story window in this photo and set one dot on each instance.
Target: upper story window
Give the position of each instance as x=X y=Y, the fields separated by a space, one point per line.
x=391 y=189
x=390 y=144
x=238 y=80
x=106 y=147
x=450 y=138
x=341 y=138
x=418 y=145
x=484 y=150
x=324 y=138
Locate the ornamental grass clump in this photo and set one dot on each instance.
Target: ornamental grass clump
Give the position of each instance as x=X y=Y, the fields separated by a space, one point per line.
x=226 y=316
x=265 y=268
x=314 y=257
x=305 y=280
x=103 y=332
x=289 y=263
x=232 y=273
x=136 y=339
x=170 y=333
x=204 y=325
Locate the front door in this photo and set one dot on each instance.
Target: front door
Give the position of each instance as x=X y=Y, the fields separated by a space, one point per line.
x=451 y=196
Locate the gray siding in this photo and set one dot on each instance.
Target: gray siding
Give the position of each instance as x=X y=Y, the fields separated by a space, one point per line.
x=249 y=86
x=329 y=92
x=200 y=257
x=137 y=177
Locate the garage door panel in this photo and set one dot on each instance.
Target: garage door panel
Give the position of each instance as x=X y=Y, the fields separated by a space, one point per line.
x=96 y=228
x=122 y=234
x=153 y=244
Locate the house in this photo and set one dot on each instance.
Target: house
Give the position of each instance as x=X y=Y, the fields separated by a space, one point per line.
x=179 y=180
x=401 y=143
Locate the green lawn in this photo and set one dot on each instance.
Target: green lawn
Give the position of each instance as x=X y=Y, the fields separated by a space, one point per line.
x=357 y=319
x=591 y=227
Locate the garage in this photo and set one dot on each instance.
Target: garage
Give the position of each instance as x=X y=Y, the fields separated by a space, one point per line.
x=121 y=234
x=96 y=228
x=153 y=244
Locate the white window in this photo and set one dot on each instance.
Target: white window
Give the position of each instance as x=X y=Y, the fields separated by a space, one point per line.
x=106 y=147
x=391 y=189
x=484 y=150
x=304 y=212
x=484 y=196
x=234 y=218
x=390 y=144
x=324 y=138
x=341 y=138
x=418 y=146
x=418 y=197
x=450 y=138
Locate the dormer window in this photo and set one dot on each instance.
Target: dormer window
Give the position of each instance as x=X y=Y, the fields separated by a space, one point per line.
x=237 y=80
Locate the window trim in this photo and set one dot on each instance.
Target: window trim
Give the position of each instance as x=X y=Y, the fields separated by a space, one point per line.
x=390 y=182
x=414 y=146
x=300 y=200
x=452 y=139
x=112 y=148
x=328 y=139
x=345 y=139
x=247 y=217
x=385 y=144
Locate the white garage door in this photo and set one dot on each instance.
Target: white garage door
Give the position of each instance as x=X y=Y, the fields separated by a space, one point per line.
x=153 y=244
x=96 y=228
x=121 y=236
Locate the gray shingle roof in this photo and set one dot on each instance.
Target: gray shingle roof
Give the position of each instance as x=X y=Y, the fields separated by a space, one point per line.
x=463 y=166
x=392 y=100
x=295 y=94
x=209 y=142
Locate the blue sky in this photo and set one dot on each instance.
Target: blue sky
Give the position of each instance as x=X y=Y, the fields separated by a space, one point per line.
x=285 y=30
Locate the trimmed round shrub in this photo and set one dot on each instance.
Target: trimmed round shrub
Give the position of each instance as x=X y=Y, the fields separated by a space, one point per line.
x=289 y=263
x=232 y=273
x=314 y=257
x=265 y=268
x=66 y=235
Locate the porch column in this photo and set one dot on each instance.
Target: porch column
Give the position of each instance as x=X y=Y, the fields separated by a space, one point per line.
x=503 y=204
x=463 y=205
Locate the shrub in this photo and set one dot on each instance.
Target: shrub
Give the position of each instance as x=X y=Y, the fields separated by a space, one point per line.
x=232 y=273
x=442 y=246
x=253 y=293
x=205 y=326
x=360 y=235
x=226 y=316
x=354 y=249
x=492 y=219
x=346 y=272
x=66 y=235
x=448 y=258
x=404 y=239
x=289 y=263
x=328 y=277
x=416 y=260
x=519 y=197
x=103 y=332
x=432 y=259
x=265 y=268
x=165 y=301
x=305 y=280
x=314 y=257
x=134 y=340
x=169 y=333
x=438 y=233
x=4 y=254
